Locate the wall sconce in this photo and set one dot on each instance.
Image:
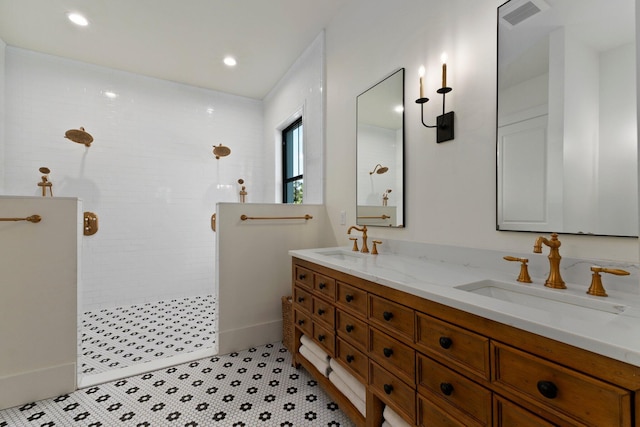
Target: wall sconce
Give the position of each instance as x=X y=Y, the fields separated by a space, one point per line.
x=444 y=122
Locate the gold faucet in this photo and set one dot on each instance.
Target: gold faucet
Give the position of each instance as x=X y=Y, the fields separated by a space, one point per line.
x=554 y=280
x=365 y=248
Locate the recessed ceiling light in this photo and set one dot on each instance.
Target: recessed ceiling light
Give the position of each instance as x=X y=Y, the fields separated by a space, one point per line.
x=78 y=19
x=230 y=61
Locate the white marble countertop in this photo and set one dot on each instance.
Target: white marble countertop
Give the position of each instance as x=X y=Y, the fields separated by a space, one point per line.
x=613 y=335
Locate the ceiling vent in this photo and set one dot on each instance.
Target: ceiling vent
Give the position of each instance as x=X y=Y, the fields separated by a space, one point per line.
x=516 y=12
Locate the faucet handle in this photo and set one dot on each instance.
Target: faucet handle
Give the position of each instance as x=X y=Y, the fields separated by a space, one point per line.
x=374 y=251
x=524 y=271
x=596 y=287
x=355 y=244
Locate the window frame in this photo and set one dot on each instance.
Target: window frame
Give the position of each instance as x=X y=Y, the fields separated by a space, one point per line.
x=296 y=124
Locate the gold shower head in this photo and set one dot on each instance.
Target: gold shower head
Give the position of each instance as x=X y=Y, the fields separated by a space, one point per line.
x=80 y=136
x=45 y=170
x=221 y=151
x=380 y=170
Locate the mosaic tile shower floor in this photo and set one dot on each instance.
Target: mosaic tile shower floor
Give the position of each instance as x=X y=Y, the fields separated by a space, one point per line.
x=254 y=387
x=124 y=336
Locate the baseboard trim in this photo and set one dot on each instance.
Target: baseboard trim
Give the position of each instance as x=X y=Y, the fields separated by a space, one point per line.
x=31 y=386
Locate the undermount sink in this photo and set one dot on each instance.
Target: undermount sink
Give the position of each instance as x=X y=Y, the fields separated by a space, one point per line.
x=552 y=301
x=342 y=255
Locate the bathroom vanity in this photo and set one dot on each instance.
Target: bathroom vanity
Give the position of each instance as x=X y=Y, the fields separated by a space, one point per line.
x=429 y=340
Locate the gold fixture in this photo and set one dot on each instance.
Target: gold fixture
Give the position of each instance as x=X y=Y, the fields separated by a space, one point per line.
x=524 y=272
x=45 y=181
x=244 y=217
x=213 y=222
x=596 y=287
x=374 y=251
x=243 y=191
x=32 y=218
x=379 y=171
x=90 y=224
x=365 y=248
x=355 y=244
x=385 y=197
x=375 y=217
x=80 y=136
x=554 y=280
x=221 y=151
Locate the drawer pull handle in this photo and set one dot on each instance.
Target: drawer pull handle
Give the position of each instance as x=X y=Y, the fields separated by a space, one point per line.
x=349 y=298
x=322 y=285
x=446 y=389
x=349 y=328
x=548 y=389
x=350 y=358
x=387 y=315
x=445 y=342
x=387 y=352
x=320 y=338
x=302 y=276
x=388 y=388
x=320 y=311
x=300 y=299
x=300 y=322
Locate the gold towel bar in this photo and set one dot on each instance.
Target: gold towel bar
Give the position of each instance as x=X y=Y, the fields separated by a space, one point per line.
x=244 y=217
x=32 y=218
x=375 y=217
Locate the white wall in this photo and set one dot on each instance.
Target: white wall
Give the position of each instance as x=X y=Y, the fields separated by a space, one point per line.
x=450 y=187
x=381 y=148
x=149 y=175
x=300 y=91
x=38 y=311
x=254 y=269
x=3 y=47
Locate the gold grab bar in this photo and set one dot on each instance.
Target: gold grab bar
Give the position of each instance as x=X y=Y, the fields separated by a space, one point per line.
x=375 y=217
x=244 y=217
x=32 y=218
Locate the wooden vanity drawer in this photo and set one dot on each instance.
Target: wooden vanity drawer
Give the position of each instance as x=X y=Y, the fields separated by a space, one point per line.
x=303 y=321
x=351 y=299
x=507 y=414
x=393 y=391
x=352 y=330
x=353 y=360
x=560 y=390
x=451 y=344
x=325 y=286
x=304 y=277
x=431 y=415
x=324 y=313
x=302 y=299
x=396 y=318
x=393 y=355
x=324 y=338
x=454 y=390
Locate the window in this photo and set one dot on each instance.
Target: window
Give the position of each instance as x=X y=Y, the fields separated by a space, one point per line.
x=292 y=163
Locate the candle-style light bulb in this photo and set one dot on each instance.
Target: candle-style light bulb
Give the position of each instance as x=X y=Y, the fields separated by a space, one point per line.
x=444 y=69
x=421 y=73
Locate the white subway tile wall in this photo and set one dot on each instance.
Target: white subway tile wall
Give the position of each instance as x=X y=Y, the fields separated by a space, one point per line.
x=149 y=175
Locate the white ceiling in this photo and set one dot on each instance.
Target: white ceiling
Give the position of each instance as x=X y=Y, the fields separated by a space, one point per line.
x=177 y=40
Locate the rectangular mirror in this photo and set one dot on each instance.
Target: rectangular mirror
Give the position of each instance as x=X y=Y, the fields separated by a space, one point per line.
x=567 y=124
x=380 y=153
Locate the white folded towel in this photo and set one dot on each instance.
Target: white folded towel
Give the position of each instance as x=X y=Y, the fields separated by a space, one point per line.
x=348 y=393
x=315 y=348
x=320 y=364
x=351 y=381
x=393 y=418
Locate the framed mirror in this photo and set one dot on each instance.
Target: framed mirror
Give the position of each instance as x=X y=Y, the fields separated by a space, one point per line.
x=567 y=123
x=380 y=153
